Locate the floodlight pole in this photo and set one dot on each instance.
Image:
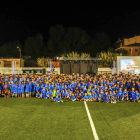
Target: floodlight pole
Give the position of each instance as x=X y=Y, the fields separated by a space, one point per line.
x=19 y=54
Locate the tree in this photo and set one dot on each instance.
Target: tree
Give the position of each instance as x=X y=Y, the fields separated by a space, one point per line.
x=108 y=58
x=75 y=55
x=102 y=41
x=34 y=46
x=10 y=49
x=43 y=62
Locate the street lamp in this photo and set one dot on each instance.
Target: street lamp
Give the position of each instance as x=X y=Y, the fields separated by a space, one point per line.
x=19 y=54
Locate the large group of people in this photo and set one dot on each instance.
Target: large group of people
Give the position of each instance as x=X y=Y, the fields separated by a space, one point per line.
x=104 y=88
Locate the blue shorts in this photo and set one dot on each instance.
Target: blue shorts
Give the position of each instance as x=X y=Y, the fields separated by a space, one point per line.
x=57 y=99
x=38 y=95
x=107 y=100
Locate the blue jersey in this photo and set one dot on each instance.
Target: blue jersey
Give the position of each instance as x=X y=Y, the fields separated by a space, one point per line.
x=27 y=88
x=12 y=88
x=90 y=96
x=133 y=94
x=19 y=89
x=85 y=97
x=37 y=88
x=22 y=88
x=16 y=89
x=95 y=96
x=30 y=88
x=72 y=97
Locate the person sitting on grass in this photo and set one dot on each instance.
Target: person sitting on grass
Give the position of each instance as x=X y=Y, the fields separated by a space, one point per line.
x=85 y=98
x=138 y=96
x=125 y=95
x=79 y=97
x=95 y=97
x=106 y=98
x=133 y=95
x=6 y=92
x=67 y=95
x=113 y=99
x=100 y=98
x=90 y=96
x=57 y=99
x=72 y=97
x=110 y=94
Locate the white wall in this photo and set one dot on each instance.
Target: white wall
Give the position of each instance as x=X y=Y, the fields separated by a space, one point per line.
x=7 y=70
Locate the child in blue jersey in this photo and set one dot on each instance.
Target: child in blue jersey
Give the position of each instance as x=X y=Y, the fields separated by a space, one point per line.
x=85 y=98
x=15 y=89
x=19 y=90
x=30 y=88
x=37 y=88
x=90 y=96
x=23 y=89
x=120 y=93
x=27 y=88
x=133 y=94
x=51 y=93
x=102 y=93
x=47 y=94
x=63 y=94
x=72 y=97
x=113 y=99
x=43 y=92
x=12 y=89
x=125 y=95
x=110 y=94
x=38 y=95
x=58 y=99
x=138 y=96
x=106 y=98
x=100 y=98
x=95 y=97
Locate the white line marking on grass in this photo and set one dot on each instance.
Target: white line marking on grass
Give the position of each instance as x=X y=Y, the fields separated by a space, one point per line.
x=91 y=122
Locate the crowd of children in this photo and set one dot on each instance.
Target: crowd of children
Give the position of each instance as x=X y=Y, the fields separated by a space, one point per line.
x=104 y=88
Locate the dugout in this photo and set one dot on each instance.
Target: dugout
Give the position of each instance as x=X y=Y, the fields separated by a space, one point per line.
x=79 y=65
x=34 y=71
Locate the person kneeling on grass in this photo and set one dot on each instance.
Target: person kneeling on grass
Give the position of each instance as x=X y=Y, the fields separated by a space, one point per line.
x=57 y=99
x=125 y=95
x=6 y=92
x=38 y=95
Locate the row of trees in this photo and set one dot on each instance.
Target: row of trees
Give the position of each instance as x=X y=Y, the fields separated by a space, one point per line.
x=60 y=40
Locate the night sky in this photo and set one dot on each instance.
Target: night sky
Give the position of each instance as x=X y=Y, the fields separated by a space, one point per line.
x=96 y=17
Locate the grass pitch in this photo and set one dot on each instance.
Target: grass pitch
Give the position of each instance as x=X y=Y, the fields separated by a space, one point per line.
x=40 y=119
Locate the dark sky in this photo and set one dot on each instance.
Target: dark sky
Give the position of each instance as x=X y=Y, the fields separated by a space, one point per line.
x=93 y=18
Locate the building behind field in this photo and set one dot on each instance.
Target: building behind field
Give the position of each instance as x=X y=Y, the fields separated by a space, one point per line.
x=131 y=45
x=7 y=62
